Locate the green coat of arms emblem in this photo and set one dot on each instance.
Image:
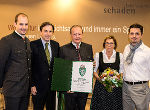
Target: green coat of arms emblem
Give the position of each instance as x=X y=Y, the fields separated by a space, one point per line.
x=82 y=70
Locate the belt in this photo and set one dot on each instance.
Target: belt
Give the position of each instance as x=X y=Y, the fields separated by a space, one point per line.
x=132 y=83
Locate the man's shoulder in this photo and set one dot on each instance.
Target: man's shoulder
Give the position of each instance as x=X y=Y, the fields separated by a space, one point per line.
x=127 y=46
x=145 y=48
x=35 y=41
x=86 y=44
x=66 y=45
x=8 y=37
x=54 y=42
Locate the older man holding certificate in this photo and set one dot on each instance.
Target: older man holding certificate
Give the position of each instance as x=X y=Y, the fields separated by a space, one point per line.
x=76 y=51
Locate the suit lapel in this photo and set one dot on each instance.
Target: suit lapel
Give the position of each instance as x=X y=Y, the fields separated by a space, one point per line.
x=73 y=53
x=82 y=49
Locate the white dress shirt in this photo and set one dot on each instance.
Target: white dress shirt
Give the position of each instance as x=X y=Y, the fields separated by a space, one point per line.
x=76 y=44
x=139 y=69
x=106 y=60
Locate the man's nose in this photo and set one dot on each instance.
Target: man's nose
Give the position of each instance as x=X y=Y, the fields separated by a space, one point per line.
x=24 y=26
x=49 y=33
x=77 y=35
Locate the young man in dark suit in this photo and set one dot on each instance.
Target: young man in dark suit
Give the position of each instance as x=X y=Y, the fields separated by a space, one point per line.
x=43 y=52
x=15 y=61
x=76 y=51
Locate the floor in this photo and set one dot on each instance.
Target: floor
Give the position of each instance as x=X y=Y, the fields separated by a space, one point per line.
x=31 y=105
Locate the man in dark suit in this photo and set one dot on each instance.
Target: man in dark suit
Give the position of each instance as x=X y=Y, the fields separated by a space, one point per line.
x=76 y=51
x=15 y=61
x=43 y=52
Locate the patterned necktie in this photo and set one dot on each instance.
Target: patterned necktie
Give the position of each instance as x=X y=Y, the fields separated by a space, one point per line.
x=47 y=53
x=79 y=56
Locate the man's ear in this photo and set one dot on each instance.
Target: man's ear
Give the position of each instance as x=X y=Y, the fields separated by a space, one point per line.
x=15 y=24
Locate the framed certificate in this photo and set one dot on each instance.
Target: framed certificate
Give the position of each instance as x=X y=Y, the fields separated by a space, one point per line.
x=82 y=76
x=76 y=76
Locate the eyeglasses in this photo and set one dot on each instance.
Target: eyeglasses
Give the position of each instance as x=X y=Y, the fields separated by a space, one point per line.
x=111 y=43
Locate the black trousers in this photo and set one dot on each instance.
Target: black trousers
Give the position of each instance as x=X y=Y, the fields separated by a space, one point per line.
x=16 y=103
x=48 y=98
x=75 y=101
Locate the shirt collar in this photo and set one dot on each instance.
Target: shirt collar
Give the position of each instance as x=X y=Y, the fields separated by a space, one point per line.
x=104 y=51
x=20 y=34
x=43 y=42
x=76 y=44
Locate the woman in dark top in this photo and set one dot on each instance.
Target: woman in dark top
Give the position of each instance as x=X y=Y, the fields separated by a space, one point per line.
x=102 y=99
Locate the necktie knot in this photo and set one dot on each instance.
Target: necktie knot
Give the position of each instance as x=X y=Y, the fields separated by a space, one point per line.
x=46 y=45
x=77 y=47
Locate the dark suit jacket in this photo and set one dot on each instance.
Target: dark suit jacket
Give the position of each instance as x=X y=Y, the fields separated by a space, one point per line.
x=15 y=58
x=41 y=71
x=69 y=52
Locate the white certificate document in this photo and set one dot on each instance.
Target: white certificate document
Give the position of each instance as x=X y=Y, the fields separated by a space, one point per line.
x=82 y=76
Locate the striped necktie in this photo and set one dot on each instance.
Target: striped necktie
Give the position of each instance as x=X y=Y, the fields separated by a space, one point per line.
x=47 y=53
